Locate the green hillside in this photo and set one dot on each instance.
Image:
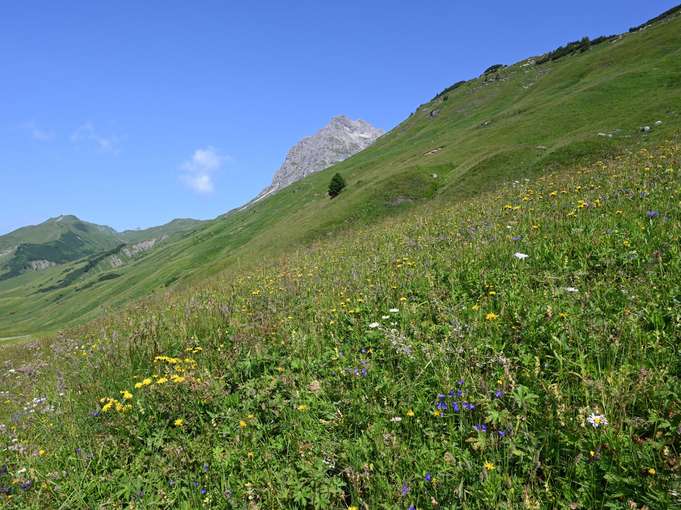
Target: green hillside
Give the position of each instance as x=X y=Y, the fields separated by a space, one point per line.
x=486 y=317
x=39 y=263
x=56 y=241
x=515 y=350
x=52 y=230
x=512 y=122
x=176 y=226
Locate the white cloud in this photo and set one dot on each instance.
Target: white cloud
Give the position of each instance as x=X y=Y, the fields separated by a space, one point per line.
x=39 y=134
x=88 y=133
x=198 y=172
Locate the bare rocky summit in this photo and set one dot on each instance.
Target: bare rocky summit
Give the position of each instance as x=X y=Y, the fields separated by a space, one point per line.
x=338 y=140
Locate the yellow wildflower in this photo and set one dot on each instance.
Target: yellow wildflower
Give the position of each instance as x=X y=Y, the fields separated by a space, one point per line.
x=302 y=407
x=491 y=316
x=410 y=413
x=489 y=466
x=179 y=422
x=243 y=424
x=126 y=395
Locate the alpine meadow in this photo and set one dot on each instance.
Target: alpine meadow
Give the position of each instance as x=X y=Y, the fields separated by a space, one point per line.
x=477 y=309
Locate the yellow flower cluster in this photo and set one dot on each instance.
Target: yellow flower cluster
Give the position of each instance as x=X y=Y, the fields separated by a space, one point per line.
x=109 y=403
x=160 y=380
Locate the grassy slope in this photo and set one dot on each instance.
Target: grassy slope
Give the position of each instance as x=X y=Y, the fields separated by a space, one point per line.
x=176 y=226
x=615 y=88
x=277 y=410
x=561 y=106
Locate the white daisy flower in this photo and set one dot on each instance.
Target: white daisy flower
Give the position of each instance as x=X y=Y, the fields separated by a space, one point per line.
x=520 y=256
x=597 y=420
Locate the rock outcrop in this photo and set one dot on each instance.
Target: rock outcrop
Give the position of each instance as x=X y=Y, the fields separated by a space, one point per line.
x=338 y=140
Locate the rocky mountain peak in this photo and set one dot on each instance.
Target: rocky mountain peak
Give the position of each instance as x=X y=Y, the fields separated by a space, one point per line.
x=341 y=138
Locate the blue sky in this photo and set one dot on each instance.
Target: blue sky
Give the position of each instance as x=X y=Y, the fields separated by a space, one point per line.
x=132 y=113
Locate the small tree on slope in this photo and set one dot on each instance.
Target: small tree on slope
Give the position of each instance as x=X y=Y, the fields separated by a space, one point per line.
x=336 y=185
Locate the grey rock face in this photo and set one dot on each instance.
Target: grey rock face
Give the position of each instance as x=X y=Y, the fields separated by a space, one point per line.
x=41 y=265
x=338 y=140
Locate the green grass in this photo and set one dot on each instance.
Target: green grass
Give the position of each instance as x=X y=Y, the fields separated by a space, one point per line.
x=313 y=380
x=532 y=120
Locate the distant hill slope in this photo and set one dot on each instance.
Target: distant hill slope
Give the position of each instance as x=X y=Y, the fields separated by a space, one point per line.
x=588 y=102
x=66 y=239
x=176 y=226
x=55 y=241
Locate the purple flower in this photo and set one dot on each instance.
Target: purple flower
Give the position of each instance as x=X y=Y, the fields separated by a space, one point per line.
x=203 y=491
x=652 y=214
x=364 y=372
x=411 y=507
x=460 y=382
x=405 y=489
x=5 y=490
x=195 y=484
x=455 y=407
x=26 y=485
x=517 y=238
x=502 y=433
x=428 y=477
x=467 y=406
x=480 y=427
x=498 y=393
x=205 y=468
